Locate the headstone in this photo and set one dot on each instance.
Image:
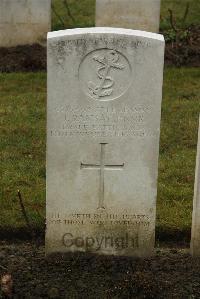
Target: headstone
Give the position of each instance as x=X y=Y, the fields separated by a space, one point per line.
x=133 y=14
x=195 y=238
x=104 y=102
x=24 y=22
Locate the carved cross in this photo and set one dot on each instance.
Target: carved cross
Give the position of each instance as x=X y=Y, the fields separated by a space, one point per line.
x=102 y=167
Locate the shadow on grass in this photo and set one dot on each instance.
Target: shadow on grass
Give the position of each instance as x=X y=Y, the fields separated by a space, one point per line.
x=164 y=237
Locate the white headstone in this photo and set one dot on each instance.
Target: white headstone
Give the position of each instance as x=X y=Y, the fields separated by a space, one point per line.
x=104 y=102
x=24 y=22
x=133 y=14
x=195 y=239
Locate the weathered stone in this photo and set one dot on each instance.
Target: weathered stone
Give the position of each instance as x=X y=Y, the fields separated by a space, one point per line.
x=104 y=102
x=133 y=14
x=195 y=236
x=24 y=22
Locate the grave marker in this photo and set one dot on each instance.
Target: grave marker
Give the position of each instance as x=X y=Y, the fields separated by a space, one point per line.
x=133 y=14
x=104 y=102
x=195 y=236
x=24 y=22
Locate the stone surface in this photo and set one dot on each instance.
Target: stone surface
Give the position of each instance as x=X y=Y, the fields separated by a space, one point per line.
x=104 y=102
x=133 y=14
x=24 y=22
x=195 y=236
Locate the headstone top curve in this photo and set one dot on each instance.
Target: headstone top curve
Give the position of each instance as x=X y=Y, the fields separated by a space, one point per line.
x=104 y=30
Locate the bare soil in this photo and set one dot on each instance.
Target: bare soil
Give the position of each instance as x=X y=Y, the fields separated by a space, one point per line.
x=171 y=273
x=184 y=51
x=29 y=58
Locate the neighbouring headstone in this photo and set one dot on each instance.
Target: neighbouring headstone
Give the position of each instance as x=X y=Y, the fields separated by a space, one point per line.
x=133 y=14
x=195 y=236
x=24 y=22
x=104 y=103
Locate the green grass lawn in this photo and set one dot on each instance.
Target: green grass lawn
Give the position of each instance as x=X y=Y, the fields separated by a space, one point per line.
x=22 y=145
x=83 y=12
x=22 y=148
x=179 y=128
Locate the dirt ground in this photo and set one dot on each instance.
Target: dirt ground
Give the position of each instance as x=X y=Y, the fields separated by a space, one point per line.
x=23 y=59
x=171 y=273
x=182 y=52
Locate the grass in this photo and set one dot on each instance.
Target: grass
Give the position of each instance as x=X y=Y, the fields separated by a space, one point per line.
x=178 y=7
x=83 y=12
x=180 y=112
x=22 y=146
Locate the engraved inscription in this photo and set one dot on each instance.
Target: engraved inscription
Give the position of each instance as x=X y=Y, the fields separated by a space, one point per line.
x=80 y=47
x=102 y=167
x=105 y=74
x=99 y=121
x=128 y=220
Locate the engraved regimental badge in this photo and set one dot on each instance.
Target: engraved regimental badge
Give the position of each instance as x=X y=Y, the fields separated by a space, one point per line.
x=105 y=74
